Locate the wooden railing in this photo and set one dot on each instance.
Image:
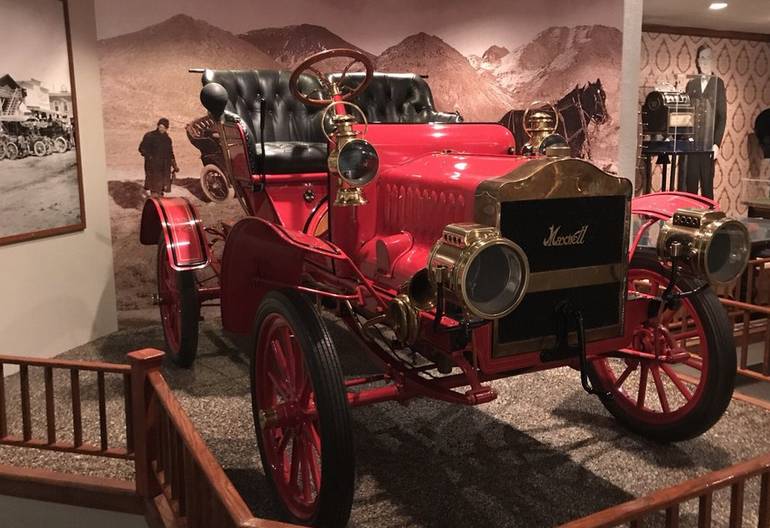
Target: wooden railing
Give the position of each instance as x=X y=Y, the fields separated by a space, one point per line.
x=178 y=481
x=670 y=500
x=748 y=305
x=174 y=465
x=27 y=437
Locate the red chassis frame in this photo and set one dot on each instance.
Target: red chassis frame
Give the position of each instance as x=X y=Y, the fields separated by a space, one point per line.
x=274 y=246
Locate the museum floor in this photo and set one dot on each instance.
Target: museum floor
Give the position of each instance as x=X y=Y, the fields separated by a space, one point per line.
x=543 y=453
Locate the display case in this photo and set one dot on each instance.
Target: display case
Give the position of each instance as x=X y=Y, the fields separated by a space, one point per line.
x=678 y=125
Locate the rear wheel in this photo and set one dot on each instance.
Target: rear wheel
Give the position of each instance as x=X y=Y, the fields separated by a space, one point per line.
x=685 y=383
x=301 y=413
x=179 y=309
x=214 y=184
x=60 y=145
x=39 y=148
x=11 y=151
x=2 y=151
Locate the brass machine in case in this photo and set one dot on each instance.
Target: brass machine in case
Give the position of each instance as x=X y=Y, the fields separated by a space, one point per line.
x=667 y=116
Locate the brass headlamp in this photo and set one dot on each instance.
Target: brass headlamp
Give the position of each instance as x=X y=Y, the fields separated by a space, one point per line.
x=353 y=160
x=539 y=124
x=712 y=245
x=479 y=270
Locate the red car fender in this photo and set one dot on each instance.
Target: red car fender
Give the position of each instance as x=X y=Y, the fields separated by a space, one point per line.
x=177 y=220
x=663 y=205
x=261 y=256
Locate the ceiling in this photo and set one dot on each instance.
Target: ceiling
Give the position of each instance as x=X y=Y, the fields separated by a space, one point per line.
x=751 y=16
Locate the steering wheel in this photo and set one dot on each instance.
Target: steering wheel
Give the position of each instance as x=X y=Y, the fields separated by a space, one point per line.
x=332 y=87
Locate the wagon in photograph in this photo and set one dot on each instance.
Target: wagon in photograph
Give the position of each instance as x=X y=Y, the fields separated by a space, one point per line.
x=454 y=261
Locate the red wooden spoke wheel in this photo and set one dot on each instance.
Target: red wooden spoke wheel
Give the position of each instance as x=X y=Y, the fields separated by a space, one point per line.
x=179 y=309
x=301 y=414
x=684 y=382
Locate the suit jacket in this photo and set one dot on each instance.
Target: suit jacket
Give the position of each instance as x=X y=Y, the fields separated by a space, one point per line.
x=704 y=105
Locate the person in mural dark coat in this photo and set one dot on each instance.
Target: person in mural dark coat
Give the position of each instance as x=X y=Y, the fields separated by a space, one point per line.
x=159 y=161
x=707 y=93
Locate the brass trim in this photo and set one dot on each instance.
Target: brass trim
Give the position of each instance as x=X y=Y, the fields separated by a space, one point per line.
x=542 y=179
x=451 y=256
x=569 y=278
x=550 y=178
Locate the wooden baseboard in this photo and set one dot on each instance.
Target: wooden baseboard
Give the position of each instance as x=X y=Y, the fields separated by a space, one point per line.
x=73 y=490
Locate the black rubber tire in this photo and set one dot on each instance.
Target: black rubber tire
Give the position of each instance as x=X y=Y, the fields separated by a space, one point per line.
x=184 y=354
x=321 y=360
x=720 y=378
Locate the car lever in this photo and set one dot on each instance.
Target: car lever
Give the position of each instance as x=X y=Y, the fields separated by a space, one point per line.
x=262 y=173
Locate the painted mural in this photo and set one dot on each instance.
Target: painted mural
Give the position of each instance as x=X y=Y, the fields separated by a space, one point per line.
x=481 y=59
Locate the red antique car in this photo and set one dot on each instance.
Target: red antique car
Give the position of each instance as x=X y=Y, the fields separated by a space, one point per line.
x=455 y=261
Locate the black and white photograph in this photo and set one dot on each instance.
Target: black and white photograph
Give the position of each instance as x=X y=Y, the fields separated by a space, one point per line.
x=40 y=184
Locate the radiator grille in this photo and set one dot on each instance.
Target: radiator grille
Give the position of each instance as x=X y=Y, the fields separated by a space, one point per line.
x=564 y=237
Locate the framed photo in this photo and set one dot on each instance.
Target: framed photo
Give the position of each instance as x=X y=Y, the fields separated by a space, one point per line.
x=41 y=184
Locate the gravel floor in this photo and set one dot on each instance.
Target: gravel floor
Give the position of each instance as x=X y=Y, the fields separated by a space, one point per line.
x=543 y=453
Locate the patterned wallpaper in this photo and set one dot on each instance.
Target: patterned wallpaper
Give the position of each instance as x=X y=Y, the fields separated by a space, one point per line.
x=745 y=68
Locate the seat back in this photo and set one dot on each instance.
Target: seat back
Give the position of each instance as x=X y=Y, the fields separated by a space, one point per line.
x=397 y=98
x=286 y=118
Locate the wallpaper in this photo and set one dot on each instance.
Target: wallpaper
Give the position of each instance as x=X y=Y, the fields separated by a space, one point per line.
x=745 y=68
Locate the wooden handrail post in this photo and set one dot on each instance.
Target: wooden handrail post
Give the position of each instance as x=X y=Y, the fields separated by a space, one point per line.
x=142 y=363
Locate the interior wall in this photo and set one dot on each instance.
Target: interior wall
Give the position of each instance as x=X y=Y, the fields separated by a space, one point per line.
x=629 y=82
x=59 y=292
x=744 y=66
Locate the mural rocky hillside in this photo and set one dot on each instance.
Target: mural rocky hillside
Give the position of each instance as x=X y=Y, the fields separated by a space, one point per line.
x=558 y=58
x=454 y=83
x=290 y=45
x=144 y=77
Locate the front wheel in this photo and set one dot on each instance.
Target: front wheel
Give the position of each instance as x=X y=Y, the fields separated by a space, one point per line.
x=214 y=184
x=11 y=151
x=179 y=309
x=60 y=145
x=683 y=383
x=39 y=148
x=301 y=413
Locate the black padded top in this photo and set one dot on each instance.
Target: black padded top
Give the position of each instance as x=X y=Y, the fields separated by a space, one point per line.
x=397 y=98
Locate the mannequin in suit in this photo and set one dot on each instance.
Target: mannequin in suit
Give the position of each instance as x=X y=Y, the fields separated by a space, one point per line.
x=699 y=169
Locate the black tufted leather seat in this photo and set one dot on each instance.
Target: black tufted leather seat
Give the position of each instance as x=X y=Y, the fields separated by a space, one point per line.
x=397 y=98
x=294 y=142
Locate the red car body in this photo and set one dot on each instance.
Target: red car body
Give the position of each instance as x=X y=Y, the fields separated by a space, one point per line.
x=361 y=259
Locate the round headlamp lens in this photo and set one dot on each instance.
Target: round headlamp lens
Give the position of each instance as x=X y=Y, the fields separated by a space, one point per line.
x=358 y=162
x=495 y=279
x=727 y=252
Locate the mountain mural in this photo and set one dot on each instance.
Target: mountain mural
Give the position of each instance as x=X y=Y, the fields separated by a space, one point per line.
x=453 y=81
x=144 y=76
x=290 y=45
x=555 y=61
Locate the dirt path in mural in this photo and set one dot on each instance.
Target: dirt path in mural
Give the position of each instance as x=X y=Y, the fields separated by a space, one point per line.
x=38 y=193
x=134 y=263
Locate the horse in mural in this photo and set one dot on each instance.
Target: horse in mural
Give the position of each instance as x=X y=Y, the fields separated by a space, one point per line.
x=582 y=107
